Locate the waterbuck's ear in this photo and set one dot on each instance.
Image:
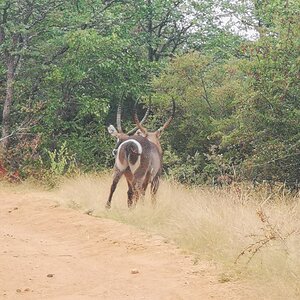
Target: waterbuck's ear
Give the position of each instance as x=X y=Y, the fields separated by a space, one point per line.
x=139 y=132
x=112 y=130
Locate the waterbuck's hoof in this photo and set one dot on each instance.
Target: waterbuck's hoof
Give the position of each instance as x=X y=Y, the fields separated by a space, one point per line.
x=107 y=206
x=131 y=206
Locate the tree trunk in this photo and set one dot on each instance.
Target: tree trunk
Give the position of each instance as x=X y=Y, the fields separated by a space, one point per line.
x=150 y=32
x=8 y=101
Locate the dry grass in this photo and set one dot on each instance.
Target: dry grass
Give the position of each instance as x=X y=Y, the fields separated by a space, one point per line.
x=254 y=235
x=24 y=186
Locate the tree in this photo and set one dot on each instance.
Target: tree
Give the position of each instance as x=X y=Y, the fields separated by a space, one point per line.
x=20 y=26
x=31 y=40
x=161 y=28
x=269 y=116
x=205 y=90
x=94 y=75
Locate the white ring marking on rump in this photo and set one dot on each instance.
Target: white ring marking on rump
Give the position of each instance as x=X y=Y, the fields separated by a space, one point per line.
x=122 y=166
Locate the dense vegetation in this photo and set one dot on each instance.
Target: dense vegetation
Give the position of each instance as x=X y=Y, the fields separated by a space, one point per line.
x=233 y=68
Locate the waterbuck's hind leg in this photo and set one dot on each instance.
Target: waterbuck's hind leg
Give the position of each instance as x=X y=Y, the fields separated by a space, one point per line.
x=129 y=178
x=117 y=175
x=146 y=182
x=137 y=190
x=144 y=187
x=154 y=188
x=130 y=196
x=139 y=184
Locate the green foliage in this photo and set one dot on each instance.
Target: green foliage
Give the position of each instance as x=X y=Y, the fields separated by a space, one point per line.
x=206 y=92
x=95 y=73
x=61 y=161
x=237 y=100
x=268 y=118
x=186 y=170
x=55 y=164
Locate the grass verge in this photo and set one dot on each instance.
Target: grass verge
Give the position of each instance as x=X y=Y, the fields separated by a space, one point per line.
x=254 y=235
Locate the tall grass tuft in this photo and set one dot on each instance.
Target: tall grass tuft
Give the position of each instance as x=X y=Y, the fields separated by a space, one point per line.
x=253 y=234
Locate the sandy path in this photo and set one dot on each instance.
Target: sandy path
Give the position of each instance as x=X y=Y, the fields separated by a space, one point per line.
x=91 y=258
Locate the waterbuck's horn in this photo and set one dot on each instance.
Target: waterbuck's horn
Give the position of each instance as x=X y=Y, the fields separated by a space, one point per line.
x=170 y=118
x=119 y=126
x=139 y=124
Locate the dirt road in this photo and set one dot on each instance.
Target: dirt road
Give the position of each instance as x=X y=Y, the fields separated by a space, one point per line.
x=50 y=252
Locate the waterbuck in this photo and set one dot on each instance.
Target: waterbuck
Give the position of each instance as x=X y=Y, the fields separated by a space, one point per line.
x=138 y=157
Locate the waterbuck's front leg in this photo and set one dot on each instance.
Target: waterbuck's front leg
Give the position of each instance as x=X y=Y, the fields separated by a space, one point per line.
x=117 y=175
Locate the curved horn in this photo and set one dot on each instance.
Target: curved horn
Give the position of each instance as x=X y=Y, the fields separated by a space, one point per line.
x=170 y=118
x=139 y=124
x=119 y=126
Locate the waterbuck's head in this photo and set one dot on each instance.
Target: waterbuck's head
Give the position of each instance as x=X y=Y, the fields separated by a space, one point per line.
x=153 y=136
